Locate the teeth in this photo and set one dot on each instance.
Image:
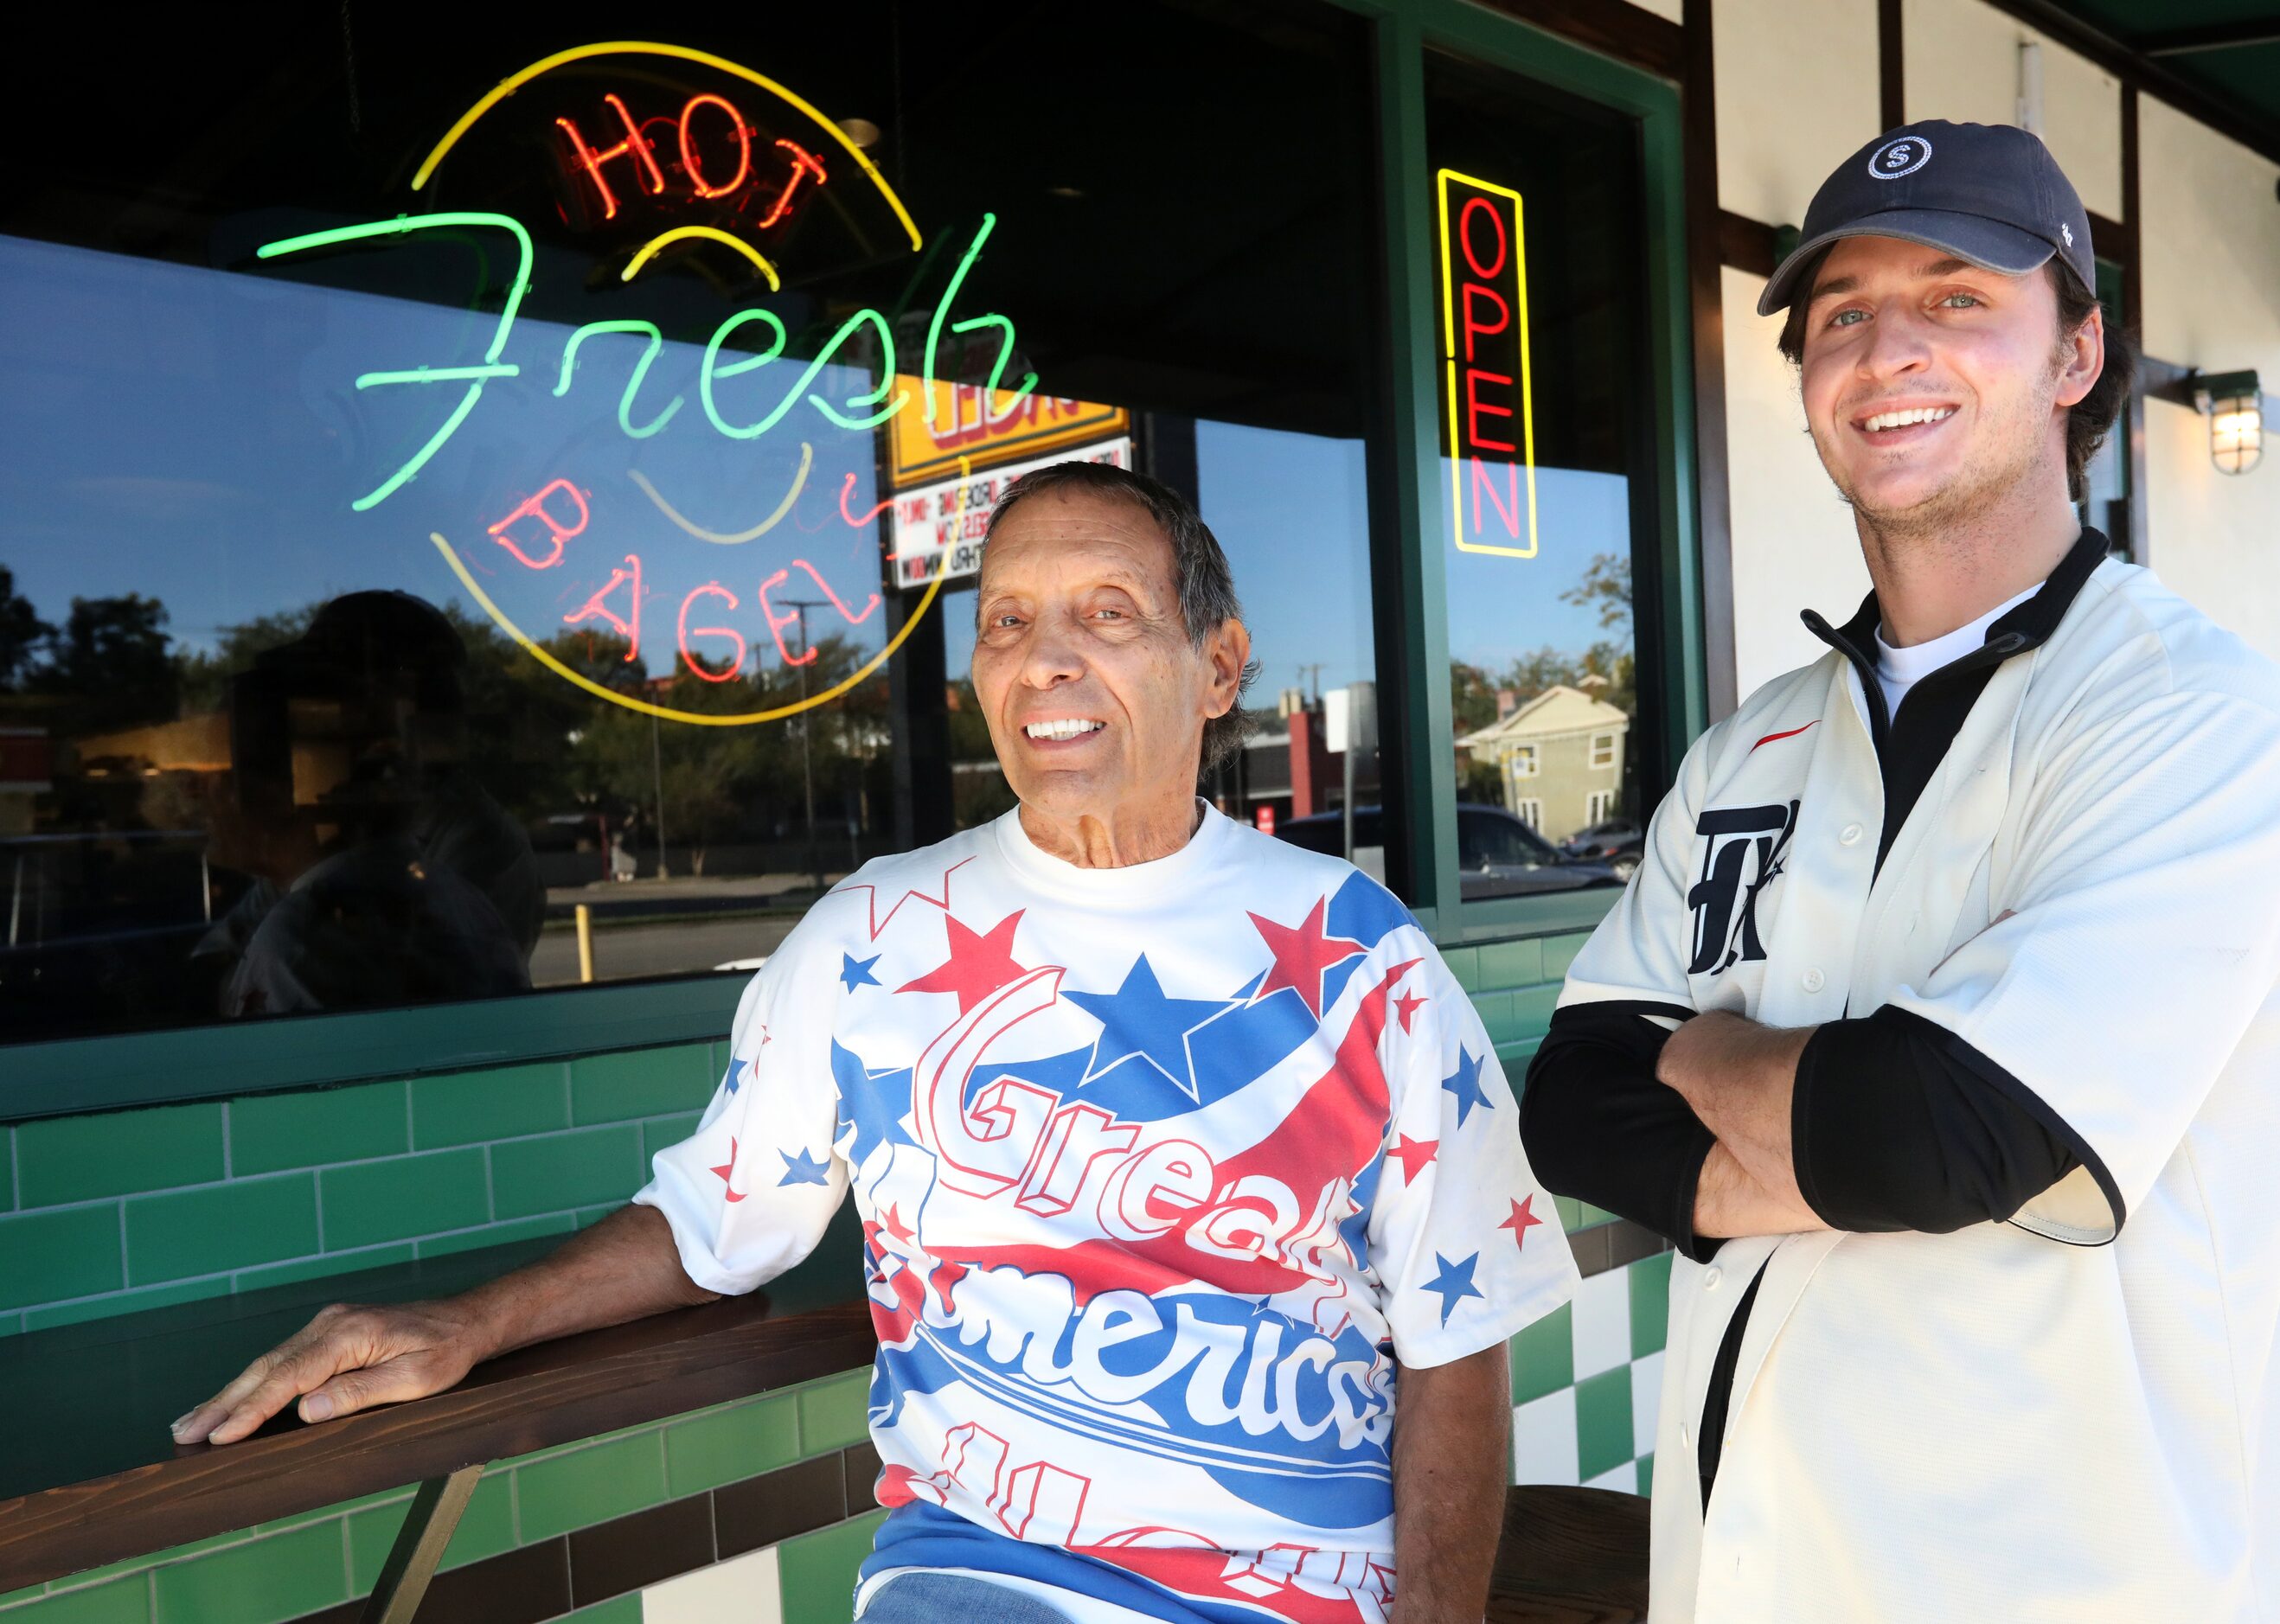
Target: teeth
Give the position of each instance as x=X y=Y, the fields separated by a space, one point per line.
x=1068 y=728
x=1901 y=420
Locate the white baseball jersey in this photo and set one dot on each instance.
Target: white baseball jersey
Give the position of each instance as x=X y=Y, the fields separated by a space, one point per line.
x=1166 y=1172
x=2075 y=1415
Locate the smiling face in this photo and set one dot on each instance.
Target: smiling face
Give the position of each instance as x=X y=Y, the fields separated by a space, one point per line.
x=1094 y=693
x=1934 y=388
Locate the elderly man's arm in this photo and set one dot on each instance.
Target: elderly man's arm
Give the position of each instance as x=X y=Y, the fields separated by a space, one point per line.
x=351 y=1356
x=1451 y=1454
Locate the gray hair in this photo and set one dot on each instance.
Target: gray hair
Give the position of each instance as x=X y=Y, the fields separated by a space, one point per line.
x=1206 y=586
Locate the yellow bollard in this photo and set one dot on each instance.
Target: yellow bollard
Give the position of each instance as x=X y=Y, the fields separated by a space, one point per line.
x=585 y=942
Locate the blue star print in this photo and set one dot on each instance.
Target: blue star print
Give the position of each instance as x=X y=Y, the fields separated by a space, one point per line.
x=855 y=972
x=1454 y=1283
x=805 y=1169
x=1138 y=1020
x=1465 y=1083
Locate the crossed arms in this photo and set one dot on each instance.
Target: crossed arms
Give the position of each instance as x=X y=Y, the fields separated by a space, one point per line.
x=1724 y=1128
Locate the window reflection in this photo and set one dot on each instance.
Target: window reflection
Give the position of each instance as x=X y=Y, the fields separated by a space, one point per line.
x=390 y=573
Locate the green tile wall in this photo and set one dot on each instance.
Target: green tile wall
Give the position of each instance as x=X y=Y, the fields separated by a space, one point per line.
x=1543 y=1356
x=817 y=1571
x=504 y=1103
x=77 y=1159
x=643 y=1082
x=832 y=1413
x=367 y=1203
x=590 y=1485
x=271 y=1132
x=553 y=1171
x=124 y=1601
x=219 y=1226
x=737 y=1441
x=283 y=1577
x=67 y=1253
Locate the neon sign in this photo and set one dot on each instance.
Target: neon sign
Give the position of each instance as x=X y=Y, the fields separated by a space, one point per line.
x=694 y=172
x=1491 y=417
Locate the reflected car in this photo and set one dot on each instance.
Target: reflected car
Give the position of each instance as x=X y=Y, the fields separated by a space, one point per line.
x=1497 y=854
x=1617 y=843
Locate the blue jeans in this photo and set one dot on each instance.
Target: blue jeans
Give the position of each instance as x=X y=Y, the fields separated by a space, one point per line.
x=929 y=1598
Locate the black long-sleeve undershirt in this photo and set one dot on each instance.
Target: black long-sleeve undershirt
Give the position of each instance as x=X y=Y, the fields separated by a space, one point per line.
x=1897 y=1124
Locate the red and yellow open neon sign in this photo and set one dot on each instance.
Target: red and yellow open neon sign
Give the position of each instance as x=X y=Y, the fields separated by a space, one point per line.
x=1491 y=446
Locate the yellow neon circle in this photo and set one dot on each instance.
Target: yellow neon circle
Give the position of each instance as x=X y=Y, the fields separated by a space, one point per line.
x=705 y=719
x=711 y=234
x=515 y=82
x=799 y=484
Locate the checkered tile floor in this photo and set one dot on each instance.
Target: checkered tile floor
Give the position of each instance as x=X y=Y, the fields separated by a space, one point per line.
x=1587 y=1379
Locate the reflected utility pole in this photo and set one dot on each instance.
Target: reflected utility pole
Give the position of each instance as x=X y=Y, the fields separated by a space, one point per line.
x=657 y=771
x=806 y=722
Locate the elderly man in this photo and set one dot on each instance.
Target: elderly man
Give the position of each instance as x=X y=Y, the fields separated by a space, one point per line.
x=1182 y=1161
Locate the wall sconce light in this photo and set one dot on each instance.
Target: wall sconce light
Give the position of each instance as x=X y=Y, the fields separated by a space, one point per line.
x=2234 y=404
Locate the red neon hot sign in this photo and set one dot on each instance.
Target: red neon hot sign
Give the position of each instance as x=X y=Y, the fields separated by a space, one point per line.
x=1491 y=424
x=702 y=165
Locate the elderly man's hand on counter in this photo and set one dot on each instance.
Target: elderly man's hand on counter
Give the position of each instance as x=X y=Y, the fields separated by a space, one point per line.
x=351 y=1356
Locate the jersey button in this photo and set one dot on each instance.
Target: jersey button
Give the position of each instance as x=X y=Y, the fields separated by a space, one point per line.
x=1814 y=980
x=1849 y=836
x=1711 y=1277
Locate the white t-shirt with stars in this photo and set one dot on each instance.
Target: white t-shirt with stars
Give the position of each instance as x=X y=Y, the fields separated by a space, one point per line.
x=1165 y=1172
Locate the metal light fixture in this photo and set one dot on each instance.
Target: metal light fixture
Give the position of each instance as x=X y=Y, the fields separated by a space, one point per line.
x=2234 y=404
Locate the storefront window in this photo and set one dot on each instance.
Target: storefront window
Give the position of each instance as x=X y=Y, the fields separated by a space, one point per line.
x=1544 y=500
x=430 y=511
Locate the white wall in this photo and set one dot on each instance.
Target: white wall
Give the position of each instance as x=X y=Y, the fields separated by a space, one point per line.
x=1796 y=95
x=2211 y=252
x=1670 y=10
x=1794 y=544
x=1961 y=61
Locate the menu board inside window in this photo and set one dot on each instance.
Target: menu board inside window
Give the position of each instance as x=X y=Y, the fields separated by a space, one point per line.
x=474 y=470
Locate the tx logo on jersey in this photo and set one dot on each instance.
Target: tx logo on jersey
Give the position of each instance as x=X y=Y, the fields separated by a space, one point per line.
x=1741 y=849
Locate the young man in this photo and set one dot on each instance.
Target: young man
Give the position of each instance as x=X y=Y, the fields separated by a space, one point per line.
x=1182 y=1161
x=1938 y=1029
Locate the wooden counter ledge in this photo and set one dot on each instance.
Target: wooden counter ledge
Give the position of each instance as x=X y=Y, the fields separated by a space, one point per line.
x=89 y=1474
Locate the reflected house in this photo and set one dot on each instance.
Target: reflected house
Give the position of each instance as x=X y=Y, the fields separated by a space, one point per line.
x=27 y=772
x=1559 y=757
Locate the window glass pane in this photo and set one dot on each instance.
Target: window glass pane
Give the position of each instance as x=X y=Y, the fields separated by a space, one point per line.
x=406 y=542
x=1543 y=498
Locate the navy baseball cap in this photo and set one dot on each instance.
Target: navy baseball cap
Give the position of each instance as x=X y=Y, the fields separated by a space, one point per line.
x=1989 y=193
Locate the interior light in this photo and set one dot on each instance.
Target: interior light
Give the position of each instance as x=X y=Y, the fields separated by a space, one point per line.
x=862 y=132
x=2234 y=405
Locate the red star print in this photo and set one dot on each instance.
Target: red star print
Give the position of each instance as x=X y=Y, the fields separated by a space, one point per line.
x=729 y=1167
x=1414 y=1154
x=1302 y=954
x=1521 y=1222
x=895 y=1227
x=1407 y=1005
x=977 y=965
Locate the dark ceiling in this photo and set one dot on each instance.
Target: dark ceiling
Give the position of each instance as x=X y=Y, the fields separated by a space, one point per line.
x=2226 y=53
